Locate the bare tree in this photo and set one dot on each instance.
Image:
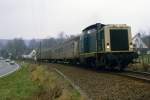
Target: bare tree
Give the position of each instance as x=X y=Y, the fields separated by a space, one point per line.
x=14 y=47
x=142 y=33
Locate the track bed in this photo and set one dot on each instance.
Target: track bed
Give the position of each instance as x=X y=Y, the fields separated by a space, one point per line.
x=105 y=86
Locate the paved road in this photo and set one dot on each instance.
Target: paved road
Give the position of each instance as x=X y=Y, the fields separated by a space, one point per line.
x=6 y=68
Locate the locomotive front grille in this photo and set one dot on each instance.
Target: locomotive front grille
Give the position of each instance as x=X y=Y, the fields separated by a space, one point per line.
x=119 y=39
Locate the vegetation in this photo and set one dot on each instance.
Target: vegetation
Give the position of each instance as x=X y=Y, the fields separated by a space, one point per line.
x=17 y=47
x=146 y=39
x=144 y=59
x=139 y=67
x=18 y=85
x=143 y=64
x=33 y=82
x=49 y=42
x=52 y=86
x=14 y=48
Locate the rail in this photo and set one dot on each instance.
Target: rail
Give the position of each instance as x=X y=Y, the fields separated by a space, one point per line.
x=142 y=76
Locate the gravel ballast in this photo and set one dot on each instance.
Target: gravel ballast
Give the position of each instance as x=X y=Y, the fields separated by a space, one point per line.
x=105 y=86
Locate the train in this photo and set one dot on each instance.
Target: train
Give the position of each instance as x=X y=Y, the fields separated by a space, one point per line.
x=98 y=46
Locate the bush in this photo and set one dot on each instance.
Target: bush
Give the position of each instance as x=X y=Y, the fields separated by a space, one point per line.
x=49 y=87
x=139 y=67
x=52 y=86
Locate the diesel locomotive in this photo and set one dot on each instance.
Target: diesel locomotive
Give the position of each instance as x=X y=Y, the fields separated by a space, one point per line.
x=99 y=45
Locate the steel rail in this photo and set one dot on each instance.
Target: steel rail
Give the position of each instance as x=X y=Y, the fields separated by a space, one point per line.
x=142 y=76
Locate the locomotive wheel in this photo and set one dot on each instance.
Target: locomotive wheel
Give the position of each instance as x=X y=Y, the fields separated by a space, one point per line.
x=103 y=62
x=107 y=64
x=122 y=68
x=94 y=65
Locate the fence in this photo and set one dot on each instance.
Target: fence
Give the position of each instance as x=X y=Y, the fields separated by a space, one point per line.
x=144 y=58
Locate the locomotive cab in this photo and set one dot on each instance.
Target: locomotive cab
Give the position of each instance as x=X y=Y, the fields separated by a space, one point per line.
x=117 y=38
x=106 y=45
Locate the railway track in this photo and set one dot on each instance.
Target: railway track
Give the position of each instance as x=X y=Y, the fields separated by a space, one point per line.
x=103 y=85
x=143 y=76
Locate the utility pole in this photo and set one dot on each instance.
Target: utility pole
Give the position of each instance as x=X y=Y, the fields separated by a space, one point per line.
x=149 y=41
x=40 y=53
x=97 y=29
x=149 y=47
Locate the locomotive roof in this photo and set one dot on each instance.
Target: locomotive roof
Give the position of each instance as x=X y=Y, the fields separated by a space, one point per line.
x=93 y=26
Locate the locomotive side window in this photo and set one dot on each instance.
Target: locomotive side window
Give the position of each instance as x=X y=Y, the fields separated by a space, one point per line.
x=91 y=31
x=101 y=40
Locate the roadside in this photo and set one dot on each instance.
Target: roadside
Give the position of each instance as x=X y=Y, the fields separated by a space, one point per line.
x=6 y=68
x=34 y=82
x=17 y=86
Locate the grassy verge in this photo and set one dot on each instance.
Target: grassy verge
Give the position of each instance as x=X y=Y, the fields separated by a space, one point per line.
x=33 y=82
x=52 y=85
x=17 y=86
x=143 y=64
x=140 y=67
x=144 y=59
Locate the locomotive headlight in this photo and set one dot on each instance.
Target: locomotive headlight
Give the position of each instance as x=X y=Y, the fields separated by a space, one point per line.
x=131 y=45
x=108 y=46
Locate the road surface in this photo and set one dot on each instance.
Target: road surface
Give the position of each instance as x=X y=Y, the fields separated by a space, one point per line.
x=6 y=68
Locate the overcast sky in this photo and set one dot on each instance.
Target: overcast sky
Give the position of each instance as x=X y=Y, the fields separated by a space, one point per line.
x=46 y=18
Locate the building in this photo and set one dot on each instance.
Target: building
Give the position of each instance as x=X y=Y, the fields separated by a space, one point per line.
x=31 y=55
x=139 y=45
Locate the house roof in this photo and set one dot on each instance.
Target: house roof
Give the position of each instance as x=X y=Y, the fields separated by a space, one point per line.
x=138 y=41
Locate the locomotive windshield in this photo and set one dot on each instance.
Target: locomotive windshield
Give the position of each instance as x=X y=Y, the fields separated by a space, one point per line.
x=119 y=39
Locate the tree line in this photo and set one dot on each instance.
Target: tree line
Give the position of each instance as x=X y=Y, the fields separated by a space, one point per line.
x=15 y=48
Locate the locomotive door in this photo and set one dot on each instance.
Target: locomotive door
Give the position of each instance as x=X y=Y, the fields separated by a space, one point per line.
x=75 y=51
x=86 y=43
x=101 y=40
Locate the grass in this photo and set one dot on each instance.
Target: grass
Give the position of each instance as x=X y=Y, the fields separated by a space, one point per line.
x=18 y=85
x=144 y=59
x=34 y=82
x=143 y=64
x=53 y=86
